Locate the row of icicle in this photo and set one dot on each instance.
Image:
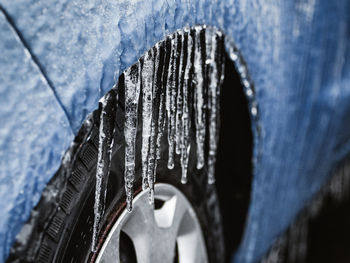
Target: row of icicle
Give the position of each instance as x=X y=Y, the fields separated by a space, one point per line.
x=179 y=77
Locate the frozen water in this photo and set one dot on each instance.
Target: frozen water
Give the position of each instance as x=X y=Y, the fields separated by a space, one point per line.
x=132 y=92
x=185 y=144
x=161 y=108
x=151 y=75
x=172 y=79
x=215 y=80
x=34 y=134
x=179 y=101
x=192 y=64
x=165 y=83
x=170 y=101
x=81 y=46
x=199 y=97
x=147 y=99
x=106 y=139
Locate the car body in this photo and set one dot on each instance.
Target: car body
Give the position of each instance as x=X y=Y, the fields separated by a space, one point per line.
x=60 y=57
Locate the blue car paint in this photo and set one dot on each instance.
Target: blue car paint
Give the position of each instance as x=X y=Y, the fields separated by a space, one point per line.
x=297 y=53
x=34 y=135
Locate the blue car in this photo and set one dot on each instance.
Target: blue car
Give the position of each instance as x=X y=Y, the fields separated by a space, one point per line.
x=174 y=131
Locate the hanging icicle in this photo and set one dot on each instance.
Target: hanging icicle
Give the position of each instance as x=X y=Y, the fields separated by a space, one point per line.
x=132 y=92
x=179 y=101
x=179 y=78
x=215 y=74
x=147 y=101
x=105 y=144
x=185 y=142
x=199 y=104
x=170 y=101
x=188 y=62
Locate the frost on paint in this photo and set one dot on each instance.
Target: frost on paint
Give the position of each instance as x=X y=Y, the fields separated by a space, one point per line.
x=171 y=94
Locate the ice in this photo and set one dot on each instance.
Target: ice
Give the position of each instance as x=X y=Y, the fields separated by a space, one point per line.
x=132 y=92
x=147 y=99
x=192 y=64
x=149 y=84
x=106 y=139
x=180 y=77
x=215 y=81
x=160 y=70
x=185 y=144
x=179 y=101
x=80 y=46
x=199 y=98
x=152 y=163
x=170 y=101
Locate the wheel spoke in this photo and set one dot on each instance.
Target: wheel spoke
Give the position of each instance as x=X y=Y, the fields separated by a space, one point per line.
x=140 y=227
x=190 y=241
x=180 y=210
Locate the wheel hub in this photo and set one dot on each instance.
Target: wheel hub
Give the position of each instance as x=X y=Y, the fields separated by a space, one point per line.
x=162 y=234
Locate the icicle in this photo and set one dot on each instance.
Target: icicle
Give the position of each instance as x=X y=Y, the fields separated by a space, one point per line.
x=132 y=92
x=215 y=81
x=161 y=124
x=185 y=144
x=167 y=74
x=199 y=99
x=106 y=135
x=152 y=163
x=167 y=79
x=178 y=120
x=170 y=101
x=161 y=58
x=147 y=101
x=151 y=160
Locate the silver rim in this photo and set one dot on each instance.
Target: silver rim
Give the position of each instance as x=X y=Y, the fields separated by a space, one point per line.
x=156 y=232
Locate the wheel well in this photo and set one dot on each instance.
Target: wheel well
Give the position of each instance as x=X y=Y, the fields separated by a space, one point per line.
x=234 y=159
